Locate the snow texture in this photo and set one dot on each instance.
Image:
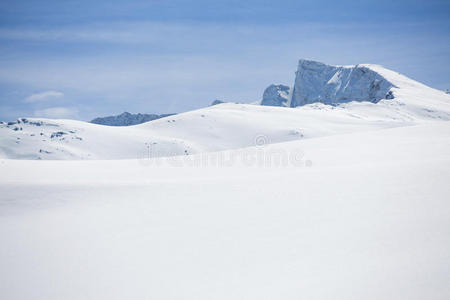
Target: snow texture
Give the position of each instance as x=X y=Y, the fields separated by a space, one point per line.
x=234 y=201
x=367 y=218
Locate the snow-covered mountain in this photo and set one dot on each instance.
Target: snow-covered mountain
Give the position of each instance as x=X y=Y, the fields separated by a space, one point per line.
x=347 y=200
x=230 y=126
x=318 y=82
x=127 y=119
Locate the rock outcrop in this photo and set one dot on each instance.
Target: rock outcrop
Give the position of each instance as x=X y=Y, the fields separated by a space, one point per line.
x=318 y=82
x=276 y=95
x=127 y=119
x=217 y=101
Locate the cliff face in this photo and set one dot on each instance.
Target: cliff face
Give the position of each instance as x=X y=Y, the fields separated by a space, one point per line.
x=276 y=95
x=318 y=82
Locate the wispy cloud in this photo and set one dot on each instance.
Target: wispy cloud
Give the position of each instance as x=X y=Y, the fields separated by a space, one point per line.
x=155 y=33
x=56 y=112
x=173 y=67
x=47 y=95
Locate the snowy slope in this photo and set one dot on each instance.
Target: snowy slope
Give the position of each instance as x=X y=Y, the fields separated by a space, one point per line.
x=413 y=99
x=220 y=127
x=227 y=126
x=69 y=139
x=342 y=201
x=368 y=219
x=358 y=88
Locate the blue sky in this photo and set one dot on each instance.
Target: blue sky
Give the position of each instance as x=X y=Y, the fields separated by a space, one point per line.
x=83 y=59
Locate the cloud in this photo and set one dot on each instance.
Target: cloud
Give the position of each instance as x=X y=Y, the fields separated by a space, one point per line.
x=43 y=96
x=167 y=67
x=179 y=35
x=56 y=112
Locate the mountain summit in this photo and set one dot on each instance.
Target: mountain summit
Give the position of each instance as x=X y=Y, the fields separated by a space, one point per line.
x=318 y=82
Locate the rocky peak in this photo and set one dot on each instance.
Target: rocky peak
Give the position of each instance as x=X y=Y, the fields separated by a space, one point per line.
x=276 y=95
x=318 y=82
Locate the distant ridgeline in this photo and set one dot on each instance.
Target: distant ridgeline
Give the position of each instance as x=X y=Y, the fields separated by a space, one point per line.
x=127 y=119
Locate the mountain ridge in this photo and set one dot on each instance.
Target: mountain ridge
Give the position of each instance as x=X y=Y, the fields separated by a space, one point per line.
x=225 y=126
x=127 y=119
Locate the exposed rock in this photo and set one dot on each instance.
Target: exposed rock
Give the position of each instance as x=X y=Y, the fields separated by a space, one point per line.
x=57 y=134
x=217 y=101
x=318 y=82
x=276 y=95
x=127 y=119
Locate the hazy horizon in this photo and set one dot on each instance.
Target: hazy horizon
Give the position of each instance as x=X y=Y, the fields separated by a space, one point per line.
x=83 y=59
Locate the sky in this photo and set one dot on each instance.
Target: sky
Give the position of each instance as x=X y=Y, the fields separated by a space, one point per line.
x=83 y=59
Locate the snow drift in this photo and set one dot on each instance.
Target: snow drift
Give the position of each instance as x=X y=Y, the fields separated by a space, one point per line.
x=370 y=219
x=360 y=211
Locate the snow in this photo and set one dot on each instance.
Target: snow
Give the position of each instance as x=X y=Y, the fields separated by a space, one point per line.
x=354 y=86
x=234 y=201
x=231 y=126
x=220 y=127
x=355 y=216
